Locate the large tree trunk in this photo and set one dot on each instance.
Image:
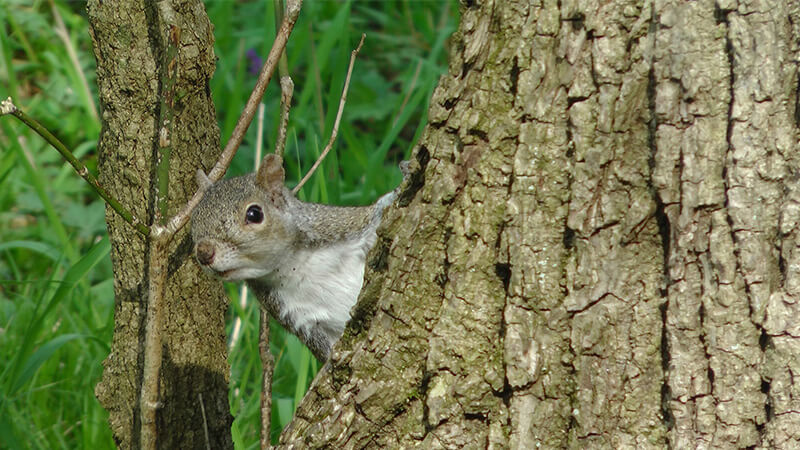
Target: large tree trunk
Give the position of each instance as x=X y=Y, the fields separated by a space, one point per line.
x=598 y=244
x=129 y=43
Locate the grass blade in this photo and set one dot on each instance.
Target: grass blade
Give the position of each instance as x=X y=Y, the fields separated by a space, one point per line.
x=34 y=246
x=74 y=274
x=39 y=357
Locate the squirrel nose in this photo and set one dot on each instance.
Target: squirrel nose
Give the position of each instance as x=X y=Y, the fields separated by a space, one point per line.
x=204 y=251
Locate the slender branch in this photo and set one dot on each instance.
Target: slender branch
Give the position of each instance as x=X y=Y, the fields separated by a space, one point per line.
x=292 y=11
x=335 y=129
x=267 y=364
x=8 y=107
x=159 y=241
x=161 y=235
x=157 y=280
x=237 y=323
x=287 y=86
x=283 y=64
x=287 y=89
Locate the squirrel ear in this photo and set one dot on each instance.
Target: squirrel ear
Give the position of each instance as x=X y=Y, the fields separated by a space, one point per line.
x=203 y=182
x=270 y=175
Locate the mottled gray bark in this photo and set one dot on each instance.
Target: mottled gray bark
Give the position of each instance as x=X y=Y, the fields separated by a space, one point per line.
x=597 y=247
x=129 y=43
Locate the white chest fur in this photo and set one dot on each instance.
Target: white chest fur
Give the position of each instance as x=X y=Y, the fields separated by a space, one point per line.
x=318 y=287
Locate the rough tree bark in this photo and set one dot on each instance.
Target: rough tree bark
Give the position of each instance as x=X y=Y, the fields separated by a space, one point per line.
x=129 y=43
x=598 y=247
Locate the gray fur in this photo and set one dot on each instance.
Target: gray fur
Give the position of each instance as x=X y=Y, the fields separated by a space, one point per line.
x=295 y=243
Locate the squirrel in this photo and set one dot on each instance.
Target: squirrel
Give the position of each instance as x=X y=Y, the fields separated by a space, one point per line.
x=303 y=261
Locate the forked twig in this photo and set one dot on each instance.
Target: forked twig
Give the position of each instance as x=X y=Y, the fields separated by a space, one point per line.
x=161 y=234
x=158 y=255
x=292 y=11
x=335 y=129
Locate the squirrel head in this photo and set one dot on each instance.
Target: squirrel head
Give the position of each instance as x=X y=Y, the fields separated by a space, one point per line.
x=242 y=227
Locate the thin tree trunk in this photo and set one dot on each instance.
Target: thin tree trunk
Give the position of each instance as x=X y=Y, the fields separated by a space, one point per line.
x=598 y=245
x=129 y=42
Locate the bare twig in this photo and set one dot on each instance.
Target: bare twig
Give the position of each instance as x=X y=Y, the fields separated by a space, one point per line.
x=335 y=129
x=287 y=89
x=237 y=323
x=267 y=364
x=157 y=280
x=159 y=242
x=283 y=64
x=292 y=11
x=8 y=107
x=266 y=380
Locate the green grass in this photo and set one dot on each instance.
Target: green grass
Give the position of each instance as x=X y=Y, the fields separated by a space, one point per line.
x=56 y=288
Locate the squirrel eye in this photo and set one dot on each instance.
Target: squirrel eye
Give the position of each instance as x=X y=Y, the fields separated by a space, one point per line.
x=254 y=214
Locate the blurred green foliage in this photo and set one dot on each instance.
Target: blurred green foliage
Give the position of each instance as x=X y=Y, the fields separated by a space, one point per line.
x=56 y=286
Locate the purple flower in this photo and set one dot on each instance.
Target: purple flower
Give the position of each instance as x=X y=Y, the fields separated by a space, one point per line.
x=255 y=61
